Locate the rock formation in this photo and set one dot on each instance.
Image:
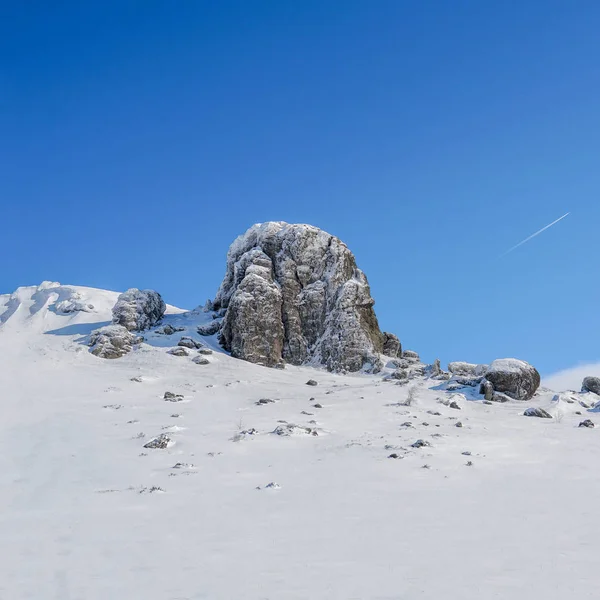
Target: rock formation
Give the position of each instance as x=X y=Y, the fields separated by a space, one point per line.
x=515 y=378
x=112 y=341
x=137 y=310
x=293 y=293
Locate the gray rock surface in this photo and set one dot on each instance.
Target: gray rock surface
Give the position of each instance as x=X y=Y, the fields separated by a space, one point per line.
x=178 y=351
x=591 y=384
x=137 y=310
x=294 y=293
x=513 y=377
x=391 y=345
x=210 y=328
x=112 y=341
x=537 y=412
x=188 y=342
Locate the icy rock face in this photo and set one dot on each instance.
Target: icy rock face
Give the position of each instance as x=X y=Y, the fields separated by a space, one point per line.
x=112 y=341
x=515 y=378
x=591 y=384
x=137 y=310
x=294 y=293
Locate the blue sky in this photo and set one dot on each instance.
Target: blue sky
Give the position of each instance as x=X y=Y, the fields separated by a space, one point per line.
x=140 y=138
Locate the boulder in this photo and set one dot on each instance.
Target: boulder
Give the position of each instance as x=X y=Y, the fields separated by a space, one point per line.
x=209 y=328
x=137 y=310
x=391 y=345
x=513 y=377
x=591 y=384
x=464 y=368
x=294 y=293
x=188 y=342
x=112 y=341
x=411 y=355
x=178 y=351
x=587 y=423
x=200 y=360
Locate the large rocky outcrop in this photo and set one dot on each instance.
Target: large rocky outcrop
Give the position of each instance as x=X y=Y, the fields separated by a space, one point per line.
x=294 y=293
x=137 y=310
x=515 y=378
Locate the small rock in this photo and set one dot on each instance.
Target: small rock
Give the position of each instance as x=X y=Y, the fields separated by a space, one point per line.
x=454 y=405
x=171 y=397
x=137 y=379
x=466 y=453
x=458 y=424
x=307 y=413
x=434 y=413
x=406 y=424
x=421 y=444
x=317 y=405
x=394 y=455
x=264 y=401
x=311 y=382
x=179 y=351
x=537 y=412
x=205 y=351
x=200 y=360
x=587 y=423
x=162 y=441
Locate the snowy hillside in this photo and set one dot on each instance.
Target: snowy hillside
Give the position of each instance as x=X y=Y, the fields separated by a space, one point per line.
x=269 y=488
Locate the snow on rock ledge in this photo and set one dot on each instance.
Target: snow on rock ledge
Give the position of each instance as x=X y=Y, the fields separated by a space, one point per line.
x=515 y=378
x=294 y=293
x=137 y=310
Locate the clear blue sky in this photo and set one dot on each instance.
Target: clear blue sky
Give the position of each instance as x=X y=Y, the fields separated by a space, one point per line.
x=138 y=139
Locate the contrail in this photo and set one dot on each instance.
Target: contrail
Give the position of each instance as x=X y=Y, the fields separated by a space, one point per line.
x=535 y=234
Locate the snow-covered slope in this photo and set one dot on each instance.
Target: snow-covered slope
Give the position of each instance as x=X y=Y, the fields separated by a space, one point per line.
x=502 y=507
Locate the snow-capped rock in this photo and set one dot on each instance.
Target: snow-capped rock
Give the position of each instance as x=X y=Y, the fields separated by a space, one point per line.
x=465 y=368
x=513 y=377
x=137 y=310
x=112 y=341
x=294 y=293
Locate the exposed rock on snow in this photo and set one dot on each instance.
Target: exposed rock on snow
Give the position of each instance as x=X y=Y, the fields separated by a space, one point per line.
x=312 y=382
x=137 y=310
x=294 y=292
x=591 y=384
x=200 y=360
x=537 y=412
x=210 y=328
x=464 y=368
x=188 y=342
x=391 y=345
x=169 y=329
x=513 y=377
x=112 y=341
x=487 y=389
x=587 y=423
x=72 y=305
x=160 y=442
x=178 y=351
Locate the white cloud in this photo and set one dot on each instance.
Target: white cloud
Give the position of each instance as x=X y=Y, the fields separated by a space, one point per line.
x=570 y=379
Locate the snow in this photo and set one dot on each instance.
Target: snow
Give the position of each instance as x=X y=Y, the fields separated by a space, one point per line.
x=88 y=513
x=508 y=365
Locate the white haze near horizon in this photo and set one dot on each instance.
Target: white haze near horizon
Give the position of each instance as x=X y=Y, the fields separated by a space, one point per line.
x=571 y=378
